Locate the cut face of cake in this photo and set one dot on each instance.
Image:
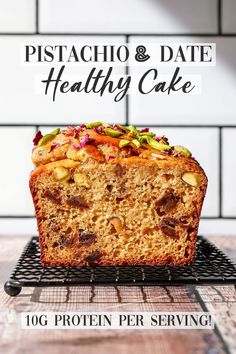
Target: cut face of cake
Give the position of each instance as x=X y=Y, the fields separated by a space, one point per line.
x=114 y=195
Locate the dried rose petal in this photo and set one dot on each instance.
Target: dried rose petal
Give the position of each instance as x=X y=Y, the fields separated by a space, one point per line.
x=144 y=130
x=80 y=128
x=53 y=146
x=84 y=140
x=99 y=130
x=37 y=137
x=116 y=127
x=170 y=152
x=56 y=145
x=76 y=146
x=70 y=131
x=73 y=131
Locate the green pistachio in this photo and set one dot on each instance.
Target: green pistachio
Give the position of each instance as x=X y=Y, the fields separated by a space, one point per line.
x=124 y=128
x=156 y=145
x=56 y=131
x=123 y=142
x=142 y=139
x=136 y=143
x=93 y=125
x=192 y=178
x=183 y=150
x=49 y=137
x=147 y=134
x=113 y=133
x=133 y=131
x=45 y=139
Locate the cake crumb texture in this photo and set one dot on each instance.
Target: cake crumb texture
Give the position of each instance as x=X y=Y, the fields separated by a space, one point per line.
x=132 y=212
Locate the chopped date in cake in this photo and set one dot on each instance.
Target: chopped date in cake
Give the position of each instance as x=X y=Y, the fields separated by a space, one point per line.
x=169 y=258
x=93 y=257
x=109 y=187
x=187 y=252
x=55 y=228
x=77 y=255
x=118 y=170
x=191 y=231
x=77 y=202
x=55 y=244
x=53 y=196
x=118 y=200
x=184 y=220
x=167 y=203
x=167 y=226
x=87 y=238
x=68 y=241
x=62 y=240
x=135 y=152
x=168 y=176
x=71 y=241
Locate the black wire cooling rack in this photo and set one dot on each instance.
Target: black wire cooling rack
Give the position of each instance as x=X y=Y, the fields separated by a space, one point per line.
x=212 y=266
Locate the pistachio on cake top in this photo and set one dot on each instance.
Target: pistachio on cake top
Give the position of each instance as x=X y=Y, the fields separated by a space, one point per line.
x=103 y=142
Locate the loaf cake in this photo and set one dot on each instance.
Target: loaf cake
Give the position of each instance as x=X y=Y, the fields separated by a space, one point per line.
x=115 y=195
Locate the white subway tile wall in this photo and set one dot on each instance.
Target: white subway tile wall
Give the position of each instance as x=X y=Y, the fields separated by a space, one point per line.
x=228 y=16
x=15 y=147
x=17 y=16
x=217 y=227
x=67 y=108
x=229 y=172
x=192 y=109
x=18 y=226
x=132 y=16
x=205 y=123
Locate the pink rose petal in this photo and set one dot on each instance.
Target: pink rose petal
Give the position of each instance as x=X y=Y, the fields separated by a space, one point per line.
x=37 y=137
x=84 y=140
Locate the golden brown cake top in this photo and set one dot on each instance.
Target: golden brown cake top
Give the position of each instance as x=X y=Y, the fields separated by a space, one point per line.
x=103 y=142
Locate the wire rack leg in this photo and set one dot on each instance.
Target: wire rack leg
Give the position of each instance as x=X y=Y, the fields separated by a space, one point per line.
x=12 y=290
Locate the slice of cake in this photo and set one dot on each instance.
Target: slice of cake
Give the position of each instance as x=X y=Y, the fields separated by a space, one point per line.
x=114 y=195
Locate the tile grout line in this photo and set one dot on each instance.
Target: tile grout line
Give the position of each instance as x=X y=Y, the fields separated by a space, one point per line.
x=220 y=173
x=97 y=34
x=219 y=13
x=36 y=16
x=127 y=96
x=179 y=126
